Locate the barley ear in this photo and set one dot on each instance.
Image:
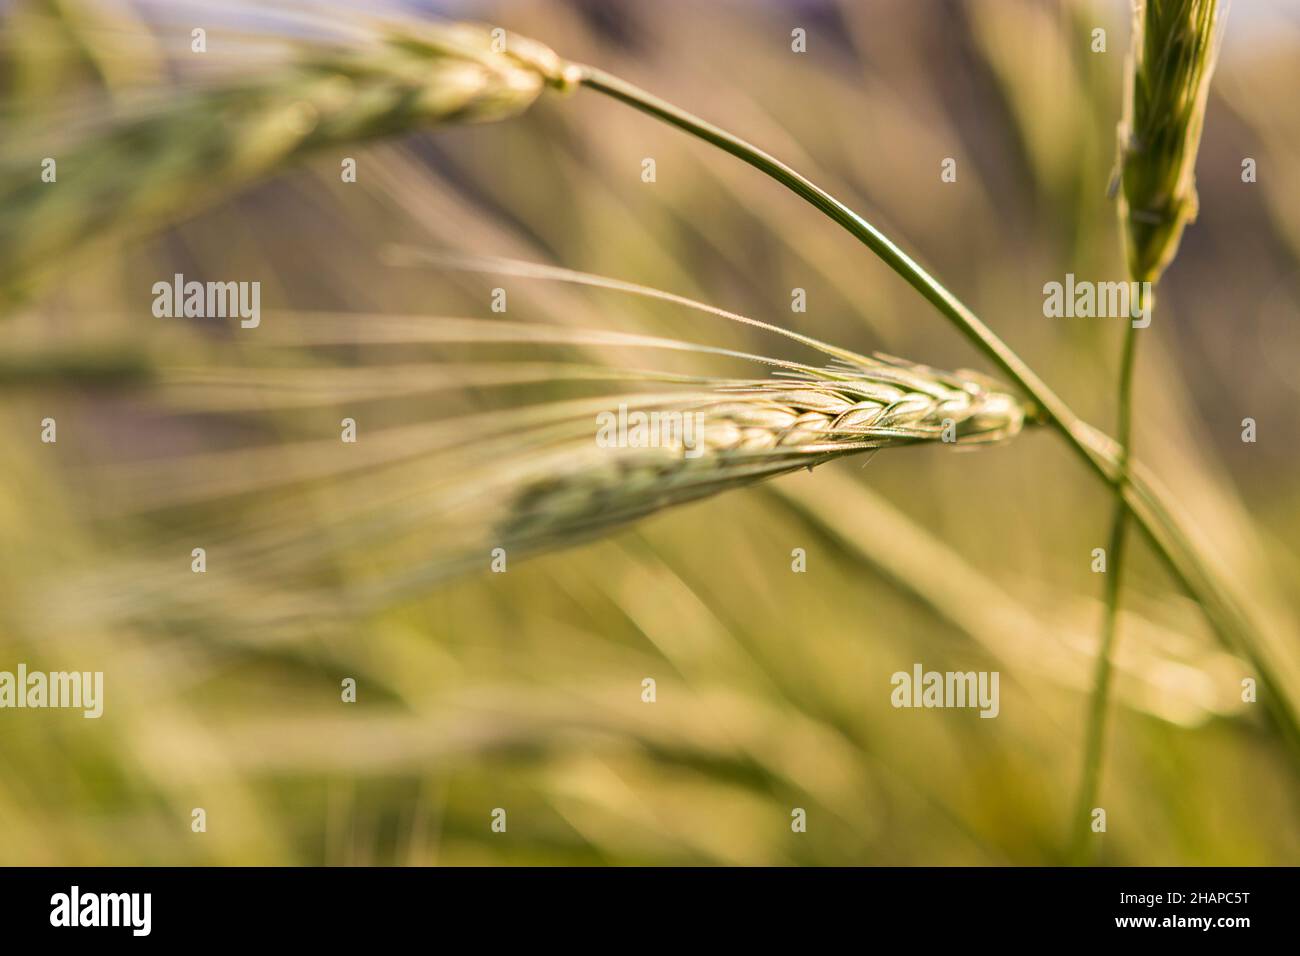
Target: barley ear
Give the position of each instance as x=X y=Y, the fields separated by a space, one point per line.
x=1174 y=45
x=156 y=161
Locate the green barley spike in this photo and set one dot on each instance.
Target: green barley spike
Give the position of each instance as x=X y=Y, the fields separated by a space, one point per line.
x=1174 y=44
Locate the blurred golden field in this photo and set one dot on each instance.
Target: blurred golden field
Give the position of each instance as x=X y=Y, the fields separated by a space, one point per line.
x=523 y=690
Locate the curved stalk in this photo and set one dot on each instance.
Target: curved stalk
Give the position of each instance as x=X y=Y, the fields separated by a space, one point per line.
x=1100 y=453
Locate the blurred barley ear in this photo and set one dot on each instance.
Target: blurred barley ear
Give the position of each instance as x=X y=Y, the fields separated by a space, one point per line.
x=1174 y=45
x=154 y=160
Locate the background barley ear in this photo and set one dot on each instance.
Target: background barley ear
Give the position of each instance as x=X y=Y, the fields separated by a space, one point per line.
x=1174 y=45
x=132 y=158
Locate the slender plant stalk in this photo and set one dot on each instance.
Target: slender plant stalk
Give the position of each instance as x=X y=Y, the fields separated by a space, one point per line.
x=1115 y=552
x=1141 y=498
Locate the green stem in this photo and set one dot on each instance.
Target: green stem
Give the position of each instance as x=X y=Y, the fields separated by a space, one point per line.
x=1148 y=507
x=1090 y=785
